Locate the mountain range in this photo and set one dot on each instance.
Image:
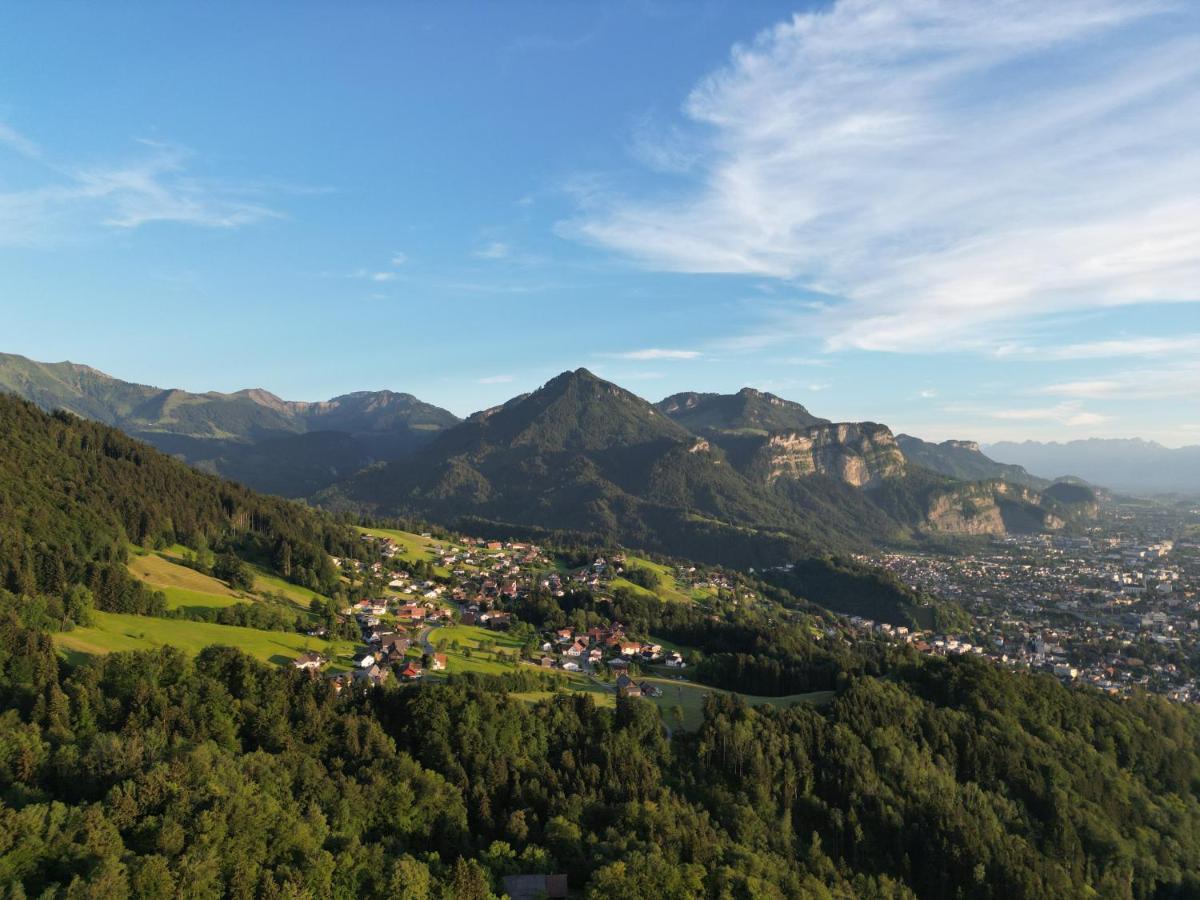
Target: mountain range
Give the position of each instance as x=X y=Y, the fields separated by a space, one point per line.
x=1128 y=464
x=746 y=478
x=291 y=448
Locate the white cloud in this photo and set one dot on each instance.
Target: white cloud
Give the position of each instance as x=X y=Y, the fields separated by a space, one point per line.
x=1069 y=414
x=369 y=275
x=495 y=379
x=399 y=259
x=155 y=187
x=14 y=140
x=941 y=170
x=656 y=353
x=1107 y=349
x=1180 y=379
x=928 y=394
x=493 y=250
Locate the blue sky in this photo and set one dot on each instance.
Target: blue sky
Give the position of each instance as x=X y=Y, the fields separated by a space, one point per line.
x=975 y=220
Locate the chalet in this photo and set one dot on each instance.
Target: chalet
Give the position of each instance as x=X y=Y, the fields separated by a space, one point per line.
x=570 y=665
x=309 y=661
x=565 y=635
x=577 y=649
x=494 y=545
x=438 y=662
x=365 y=661
x=547 y=662
x=629 y=648
x=675 y=660
x=498 y=621
x=373 y=676
x=411 y=672
x=619 y=665
x=627 y=687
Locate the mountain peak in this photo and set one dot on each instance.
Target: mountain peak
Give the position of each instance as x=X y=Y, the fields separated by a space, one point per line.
x=748 y=410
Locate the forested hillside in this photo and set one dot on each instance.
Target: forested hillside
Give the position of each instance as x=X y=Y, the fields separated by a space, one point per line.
x=75 y=494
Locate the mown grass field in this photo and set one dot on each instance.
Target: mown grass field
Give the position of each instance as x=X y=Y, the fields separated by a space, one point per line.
x=669 y=588
x=471 y=637
x=185 y=587
x=182 y=586
x=414 y=546
x=266 y=583
x=689 y=698
x=114 y=632
x=602 y=695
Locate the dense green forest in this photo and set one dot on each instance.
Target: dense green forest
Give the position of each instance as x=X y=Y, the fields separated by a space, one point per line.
x=74 y=494
x=156 y=775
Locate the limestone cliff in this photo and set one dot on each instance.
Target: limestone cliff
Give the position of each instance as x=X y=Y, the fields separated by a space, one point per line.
x=861 y=454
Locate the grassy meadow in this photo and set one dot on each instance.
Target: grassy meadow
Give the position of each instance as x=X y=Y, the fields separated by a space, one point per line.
x=114 y=632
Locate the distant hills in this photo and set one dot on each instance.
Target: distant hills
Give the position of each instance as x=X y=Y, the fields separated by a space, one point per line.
x=1123 y=464
x=279 y=446
x=746 y=478
x=964 y=459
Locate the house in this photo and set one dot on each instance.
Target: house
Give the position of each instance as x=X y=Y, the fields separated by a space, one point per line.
x=309 y=661
x=373 y=676
x=394 y=644
x=577 y=649
x=675 y=660
x=629 y=648
x=438 y=663
x=565 y=635
x=571 y=666
x=498 y=621
x=619 y=665
x=627 y=687
x=411 y=672
x=531 y=887
x=365 y=661
x=547 y=662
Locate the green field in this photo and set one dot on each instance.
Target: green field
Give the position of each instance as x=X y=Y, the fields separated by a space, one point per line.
x=414 y=546
x=115 y=632
x=183 y=587
x=690 y=698
x=603 y=695
x=668 y=588
x=470 y=637
x=266 y=583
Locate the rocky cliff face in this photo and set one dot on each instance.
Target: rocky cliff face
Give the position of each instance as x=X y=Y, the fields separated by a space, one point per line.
x=964 y=512
x=861 y=454
x=988 y=508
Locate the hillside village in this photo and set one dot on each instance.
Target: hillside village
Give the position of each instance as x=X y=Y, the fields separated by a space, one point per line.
x=469 y=583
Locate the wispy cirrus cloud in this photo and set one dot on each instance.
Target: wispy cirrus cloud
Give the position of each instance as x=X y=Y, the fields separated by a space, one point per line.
x=494 y=250
x=1167 y=380
x=1068 y=413
x=153 y=186
x=656 y=353
x=1107 y=349
x=940 y=171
